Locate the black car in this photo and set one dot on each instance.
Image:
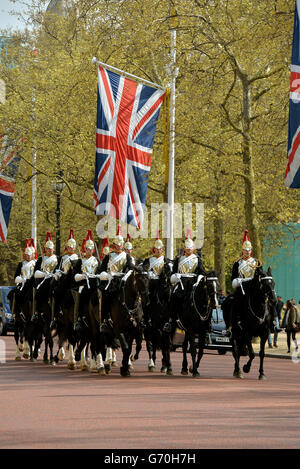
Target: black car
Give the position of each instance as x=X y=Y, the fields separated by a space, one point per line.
x=216 y=338
x=5 y=312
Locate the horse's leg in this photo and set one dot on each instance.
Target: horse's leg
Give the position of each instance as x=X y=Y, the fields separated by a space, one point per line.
x=236 y=355
x=193 y=352
x=16 y=337
x=200 y=348
x=263 y=340
x=126 y=350
x=184 y=366
x=26 y=350
x=149 y=347
x=93 y=364
x=247 y=366
x=71 y=361
x=138 y=348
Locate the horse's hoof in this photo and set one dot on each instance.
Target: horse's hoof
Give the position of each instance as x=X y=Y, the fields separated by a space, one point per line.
x=169 y=372
x=132 y=358
x=54 y=363
x=72 y=366
x=21 y=347
x=102 y=372
x=238 y=374
x=125 y=374
x=107 y=369
x=191 y=370
x=26 y=356
x=184 y=372
x=83 y=367
x=196 y=375
x=151 y=369
x=33 y=359
x=115 y=364
x=246 y=369
x=163 y=369
x=262 y=377
x=18 y=358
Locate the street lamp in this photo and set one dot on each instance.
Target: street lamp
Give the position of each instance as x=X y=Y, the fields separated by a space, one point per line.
x=57 y=188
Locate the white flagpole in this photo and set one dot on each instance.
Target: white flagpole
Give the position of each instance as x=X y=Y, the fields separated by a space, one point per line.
x=34 y=53
x=110 y=67
x=173 y=74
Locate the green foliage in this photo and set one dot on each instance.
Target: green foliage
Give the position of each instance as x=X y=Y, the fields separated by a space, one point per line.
x=221 y=46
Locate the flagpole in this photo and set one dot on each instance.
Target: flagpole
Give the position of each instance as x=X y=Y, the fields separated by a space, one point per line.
x=173 y=74
x=110 y=67
x=34 y=54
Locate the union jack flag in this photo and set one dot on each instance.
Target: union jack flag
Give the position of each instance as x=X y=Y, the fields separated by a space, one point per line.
x=8 y=170
x=127 y=114
x=292 y=173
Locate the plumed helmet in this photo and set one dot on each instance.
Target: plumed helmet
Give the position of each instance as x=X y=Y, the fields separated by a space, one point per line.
x=89 y=243
x=128 y=244
x=246 y=242
x=105 y=248
x=27 y=248
x=32 y=247
x=71 y=240
x=82 y=249
x=48 y=243
x=118 y=240
x=189 y=243
x=158 y=244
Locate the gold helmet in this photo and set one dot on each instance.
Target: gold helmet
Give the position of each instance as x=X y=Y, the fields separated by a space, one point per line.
x=158 y=244
x=32 y=247
x=118 y=240
x=246 y=242
x=105 y=248
x=89 y=243
x=71 y=240
x=27 y=248
x=189 y=243
x=128 y=244
x=48 y=243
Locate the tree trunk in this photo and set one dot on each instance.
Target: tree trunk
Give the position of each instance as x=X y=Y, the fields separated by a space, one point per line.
x=219 y=255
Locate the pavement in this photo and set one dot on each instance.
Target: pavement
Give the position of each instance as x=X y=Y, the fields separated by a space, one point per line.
x=281 y=351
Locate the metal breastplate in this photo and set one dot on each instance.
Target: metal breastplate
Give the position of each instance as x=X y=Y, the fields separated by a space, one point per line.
x=117 y=262
x=187 y=265
x=247 y=267
x=90 y=265
x=27 y=269
x=49 y=263
x=66 y=262
x=156 y=264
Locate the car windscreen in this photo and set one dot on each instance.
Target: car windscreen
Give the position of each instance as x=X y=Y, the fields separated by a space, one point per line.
x=217 y=315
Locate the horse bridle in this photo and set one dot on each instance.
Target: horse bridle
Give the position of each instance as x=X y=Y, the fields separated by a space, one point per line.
x=213 y=279
x=262 y=320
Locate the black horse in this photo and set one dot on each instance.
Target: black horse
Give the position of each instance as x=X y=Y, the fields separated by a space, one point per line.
x=252 y=316
x=27 y=334
x=127 y=313
x=156 y=316
x=194 y=314
x=62 y=307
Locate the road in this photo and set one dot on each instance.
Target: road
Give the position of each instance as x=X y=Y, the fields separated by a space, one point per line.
x=44 y=406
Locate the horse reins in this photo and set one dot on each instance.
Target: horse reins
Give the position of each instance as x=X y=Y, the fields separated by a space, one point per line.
x=261 y=320
x=202 y=318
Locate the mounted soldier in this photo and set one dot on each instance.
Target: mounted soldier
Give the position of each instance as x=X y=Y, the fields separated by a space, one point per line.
x=113 y=268
x=85 y=274
x=128 y=248
x=23 y=278
x=187 y=268
x=61 y=287
x=43 y=274
x=243 y=271
x=154 y=265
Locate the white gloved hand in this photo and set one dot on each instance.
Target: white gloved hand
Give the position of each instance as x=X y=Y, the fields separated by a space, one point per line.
x=175 y=278
x=103 y=276
x=79 y=277
x=19 y=279
x=57 y=275
x=39 y=274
